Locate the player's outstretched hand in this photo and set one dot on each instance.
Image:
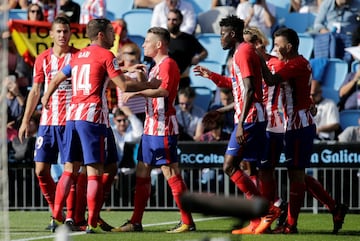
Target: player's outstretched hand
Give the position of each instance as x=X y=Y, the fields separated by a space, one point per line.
x=202 y=71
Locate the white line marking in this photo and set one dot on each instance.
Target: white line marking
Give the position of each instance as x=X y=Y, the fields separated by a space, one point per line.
x=144 y=225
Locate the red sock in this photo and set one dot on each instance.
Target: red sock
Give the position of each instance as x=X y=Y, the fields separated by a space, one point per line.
x=62 y=191
x=107 y=180
x=80 y=205
x=48 y=187
x=142 y=194
x=70 y=202
x=178 y=187
x=94 y=196
x=315 y=188
x=244 y=183
x=297 y=194
x=268 y=189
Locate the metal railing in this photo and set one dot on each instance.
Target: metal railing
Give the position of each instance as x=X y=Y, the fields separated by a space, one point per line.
x=343 y=184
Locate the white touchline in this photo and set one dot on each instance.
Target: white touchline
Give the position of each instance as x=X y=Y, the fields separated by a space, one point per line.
x=144 y=225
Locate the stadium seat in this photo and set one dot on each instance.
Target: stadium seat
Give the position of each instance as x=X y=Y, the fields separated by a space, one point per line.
x=138 y=21
x=80 y=2
x=300 y=22
x=306 y=45
x=349 y=118
x=209 y=21
x=118 y=8
x=335 y=73
x=200 y=6
x=282 y=8
x=355 y=66
x=199 y=81
x=204 y=97
x=211 y=43
x=18 y=14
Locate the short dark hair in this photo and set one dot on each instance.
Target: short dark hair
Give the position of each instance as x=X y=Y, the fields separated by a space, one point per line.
x=178 y=13
x=61 y=20
x=188 y=92
x=118 y=112
x=161 y=32
x=95 y=26
x=291 y=36
x=235 y=23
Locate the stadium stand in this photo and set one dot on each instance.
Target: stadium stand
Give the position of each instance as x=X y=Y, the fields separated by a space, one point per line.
x=349 y=118
x=335 y=73
x=306 y=45
x=18 y=14
x=138 y=21
x=211 y=42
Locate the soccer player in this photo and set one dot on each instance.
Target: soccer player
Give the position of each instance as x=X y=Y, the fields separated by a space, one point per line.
x=158 y=147
x=50 y=140
x=250 y=123
x=86 y=126
x=295 y=77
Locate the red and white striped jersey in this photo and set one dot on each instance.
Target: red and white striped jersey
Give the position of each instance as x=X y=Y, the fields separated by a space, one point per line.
x=90 y=68
x=272 y=96
x=246 y=63
x=92 y=9
x=160 y=112
x=45 y=68
x=296 y=76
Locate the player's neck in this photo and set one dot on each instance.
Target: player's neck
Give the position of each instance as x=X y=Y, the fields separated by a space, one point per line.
x=59 y=51
x=160 y=57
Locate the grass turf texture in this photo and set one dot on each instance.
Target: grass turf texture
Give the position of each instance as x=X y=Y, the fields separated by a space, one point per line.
x=30 y=225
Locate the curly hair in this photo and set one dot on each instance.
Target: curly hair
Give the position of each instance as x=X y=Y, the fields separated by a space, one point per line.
x=235 y=24
x=213 y=120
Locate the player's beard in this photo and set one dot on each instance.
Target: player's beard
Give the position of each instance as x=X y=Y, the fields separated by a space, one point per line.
x=174 y=29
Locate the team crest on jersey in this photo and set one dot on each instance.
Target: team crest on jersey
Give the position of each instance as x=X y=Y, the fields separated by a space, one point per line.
x=116 y=64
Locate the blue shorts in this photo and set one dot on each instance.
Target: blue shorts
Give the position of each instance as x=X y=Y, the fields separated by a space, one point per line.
x=255 y=142
x=111 y=151
x=85 y=141
x=158 y=150
x=49 y=142
x=273 y=148
x=299 y=147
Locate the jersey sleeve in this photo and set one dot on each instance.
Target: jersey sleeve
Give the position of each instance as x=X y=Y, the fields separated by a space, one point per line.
x=112 y=65
x=38 y=73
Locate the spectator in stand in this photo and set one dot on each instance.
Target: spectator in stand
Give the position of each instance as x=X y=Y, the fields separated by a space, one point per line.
x=49 y=9
x=13 y=4
x=213 y=122
x=257 y=13
x=129 y=59
x=189 y=116
x=349 y=91
x=337 y=16
x=91 y=9
x=17 y=65
x=146 y=3
x=161 y=10
x=71 y=9
x=350 y=134
x=124 y=38
x=217 y=3
x=127 y=128
x=226 y=107
x=15 y=106
x=35 y=12
x=305 y=6
x=327 y=118
x=184 y=48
